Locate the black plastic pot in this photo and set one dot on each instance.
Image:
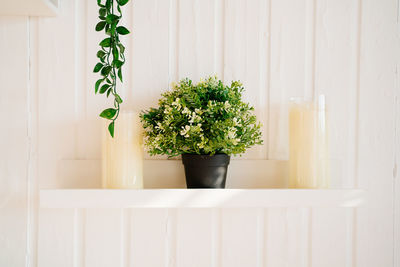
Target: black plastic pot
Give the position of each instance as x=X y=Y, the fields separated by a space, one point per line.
x=205 y=171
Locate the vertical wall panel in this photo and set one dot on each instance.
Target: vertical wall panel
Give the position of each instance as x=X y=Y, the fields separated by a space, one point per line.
x=15 y=144
x=396 y=167
x=287 y=237
x=56 y=80
x=262 y=236
x=196 y=39
x=216 y=231
x=239 y=237
x=81 y=125
x=335 y=76
x=310 y=55
x=297 y=220
x=173 y=42
x=329 y=237
x=376 y=121
x=149 y=54
x=287 y=69
x=32 y=135
x=244 y=31
x=170 y=239
x=56 y=238
x=194 y=238
x=103 y=239
x=79 y=237
x=219 y=38
x=264 y=68
x=93 y=124
x=148 y=237
x=276 y=238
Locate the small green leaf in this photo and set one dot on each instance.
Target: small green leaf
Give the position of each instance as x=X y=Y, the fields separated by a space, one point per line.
x=120 y=74
x=111 y=18
x=108 y=113
x=115 y=53
x=114 y=27
x=96 y=87
x=118 y=63
x=100 y=26
x=118 y=99
x=121 y=48
x=99 y=3
x=109 y=92
x=122 y=30
x=98 y=67
x=106 y=42
x=101 y=53
x=106 y=70
x=122 y=2
x=104 y=88
x=102 y=12
x=102 y=18
x=111 y=129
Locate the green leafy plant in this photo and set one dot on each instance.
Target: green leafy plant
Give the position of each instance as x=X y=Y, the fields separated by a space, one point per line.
x=204 y=118
x=111 y=56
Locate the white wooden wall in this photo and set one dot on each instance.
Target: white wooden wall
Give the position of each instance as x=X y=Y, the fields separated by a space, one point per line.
x=346 y=49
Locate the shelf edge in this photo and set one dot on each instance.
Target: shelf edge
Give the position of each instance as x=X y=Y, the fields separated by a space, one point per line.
x=200 y=198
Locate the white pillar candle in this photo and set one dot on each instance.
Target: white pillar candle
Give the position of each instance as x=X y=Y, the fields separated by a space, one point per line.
x=308 y=142
x=122 y=159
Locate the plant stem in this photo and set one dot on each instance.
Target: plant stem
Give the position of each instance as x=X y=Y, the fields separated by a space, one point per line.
x=110 y=65
x=114 y=39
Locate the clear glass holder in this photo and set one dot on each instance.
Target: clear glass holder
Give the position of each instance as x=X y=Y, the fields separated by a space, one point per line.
x=122 y=156
x=308 y=144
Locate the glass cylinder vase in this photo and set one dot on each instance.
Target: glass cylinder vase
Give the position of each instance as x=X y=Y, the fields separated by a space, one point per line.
x=308 y=144
x=122 y=156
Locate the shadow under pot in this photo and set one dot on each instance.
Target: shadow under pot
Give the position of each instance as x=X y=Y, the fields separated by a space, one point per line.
x=205 y=171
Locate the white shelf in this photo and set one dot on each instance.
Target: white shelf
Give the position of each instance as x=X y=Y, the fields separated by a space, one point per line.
x=29 y=7
x=200 y=198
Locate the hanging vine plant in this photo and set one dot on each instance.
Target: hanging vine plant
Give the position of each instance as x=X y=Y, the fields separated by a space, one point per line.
x=111 y=56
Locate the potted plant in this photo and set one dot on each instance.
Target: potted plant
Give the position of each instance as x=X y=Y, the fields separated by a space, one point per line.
x=205 y=123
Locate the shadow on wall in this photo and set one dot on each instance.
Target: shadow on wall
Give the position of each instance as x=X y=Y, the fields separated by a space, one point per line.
x=170 y=174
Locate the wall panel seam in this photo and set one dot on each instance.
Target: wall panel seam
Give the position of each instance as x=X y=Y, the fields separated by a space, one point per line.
x=32 y=120
x=219 y=37
x=173 y=42
x=80 y=80
x=357 y=107
x=356 y=182
x=310 y=47
x=79 y=238
x=268 y=82
x=170 y=238
x=216 y=236
x=261 y=237
x=125 y=235
x=264 y=72
x=396 y=209
x=310 y=236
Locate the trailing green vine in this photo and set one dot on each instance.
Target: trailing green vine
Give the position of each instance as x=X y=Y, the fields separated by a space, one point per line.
x=111 y=56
